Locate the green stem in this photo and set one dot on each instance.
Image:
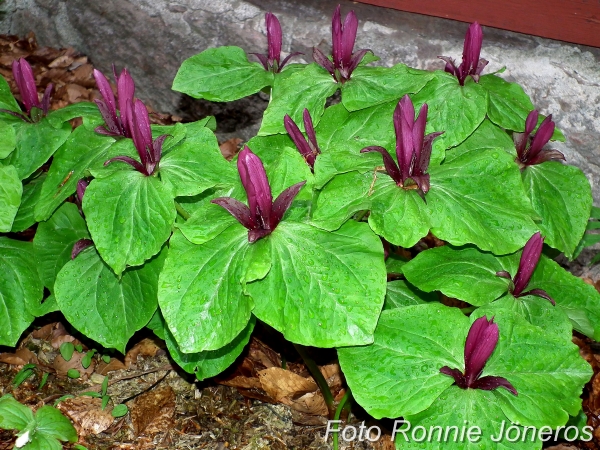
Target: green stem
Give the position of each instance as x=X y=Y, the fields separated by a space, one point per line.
x=361 y=215
x=182 y=212
x=336 y=416
x=318 y=376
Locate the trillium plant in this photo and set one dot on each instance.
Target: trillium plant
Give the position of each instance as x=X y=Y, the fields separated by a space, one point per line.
x=344 y=224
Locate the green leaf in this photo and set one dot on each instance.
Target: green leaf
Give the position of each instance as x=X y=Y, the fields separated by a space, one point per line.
x=66 y=350
x=21 y=289
x=23 y=374
x=87 y=110
x=31 y=194
x=129 y=216
x=119 y=410
x=374 y=85
x=73 y=373
x=7 y=100
x=221 y=74
x=104 y=307
x=87 y=359
x=44 y=380
x=466 y=274
x=210 y=363
x=105 y=400
x=562 y=197
x=53 y=424
x=508 y=105
x=11 y=190
x=200 y=291
x=307 y=88
x=487 y=136
x=206 y=223
x=454 y=109
x=105 y=385
x=106 y=358
x=8 y=140
x=81 y=151
x=400 y=294
x=156 y=324
x=395 y=264
x=323 y=289
x=196 y=165
x=48 y=305
x=269 y=148
x=36 y=143
x=54 y=241
x=478 y=198
x=14 y=415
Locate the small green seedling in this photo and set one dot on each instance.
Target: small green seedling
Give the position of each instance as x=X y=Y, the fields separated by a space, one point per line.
x=24 y=373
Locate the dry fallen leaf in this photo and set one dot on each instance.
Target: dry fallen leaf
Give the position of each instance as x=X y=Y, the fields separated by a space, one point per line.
x=146 y=347
x=230 y=147
x=62 y=367
x=153 y=411
x=114 y=364
x=19 y=358
x=87 y=414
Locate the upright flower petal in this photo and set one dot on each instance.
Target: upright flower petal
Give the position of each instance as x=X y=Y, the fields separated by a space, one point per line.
x=274 y=37
x=255 y=182
x=404 y=116
x=125 y=93
x=142 y=135
x=348 y=37
x=25 y=80
x=542 y=136
x=336 y=36
x=481 y=342
x=283 y=202
x=108 y=97
x=471 y=65
x=529 y=259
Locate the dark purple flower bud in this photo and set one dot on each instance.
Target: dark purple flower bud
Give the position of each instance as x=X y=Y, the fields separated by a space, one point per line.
x=149 y=151
x=79 y=246
x=527 y=264
x=308 y=148
x=25 y=80
x=272 y=61
x=262 y=215
x=471 y=64
x=81 y=187
x=116 y=124
x=413 y=147
x=530 y=148
x=479 y=346
x=343 y=37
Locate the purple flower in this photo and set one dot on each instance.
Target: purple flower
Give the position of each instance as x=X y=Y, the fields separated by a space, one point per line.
x=272 y=61
x=81 y=187
x=149 y=151
x=309 y=149
x=529 y=259
x=471 y=63
x=79 y=246
x=481 y=342
x=530 y=148
x=34 y=109
x=343 y=39
x=116 y=125
x=413 y=147
x=262 y=215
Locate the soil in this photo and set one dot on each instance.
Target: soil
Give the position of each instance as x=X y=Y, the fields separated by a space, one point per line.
x=266 y=400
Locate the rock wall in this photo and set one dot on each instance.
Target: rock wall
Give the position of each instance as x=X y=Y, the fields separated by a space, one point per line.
x=153 y=37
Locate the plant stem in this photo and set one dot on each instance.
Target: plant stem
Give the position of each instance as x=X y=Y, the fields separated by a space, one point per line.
x=336 y=416
x=318 y=376
x=182 y=212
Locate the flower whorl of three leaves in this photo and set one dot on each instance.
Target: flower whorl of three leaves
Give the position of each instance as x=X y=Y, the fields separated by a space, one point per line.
x=262 y=215
x=148 y=150
x=479 y=346
x=530 y=148
x=25 y=81
x=471 y=65
x=527 y=264
x=272 y=60
x=308 y=148
x=116 y=124
x=413 y=147
x=343 y=39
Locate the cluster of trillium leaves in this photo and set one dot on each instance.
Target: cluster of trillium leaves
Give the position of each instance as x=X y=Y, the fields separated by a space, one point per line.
x=167 y=234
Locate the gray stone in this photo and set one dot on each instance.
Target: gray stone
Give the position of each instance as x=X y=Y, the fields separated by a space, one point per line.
x=153 y=37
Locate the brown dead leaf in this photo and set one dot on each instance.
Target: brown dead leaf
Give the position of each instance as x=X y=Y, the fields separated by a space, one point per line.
x=87 y=415
x=146 y=347
x=19 y=358
x=61 y=62
x=50 y=331
x=230 y=147
x=62 y=367
x=299 y=393
x=153 y=411
x=102 y=368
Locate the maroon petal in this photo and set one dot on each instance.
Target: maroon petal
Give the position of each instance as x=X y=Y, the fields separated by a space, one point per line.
x=422 y=181
x=404 y=116
x=79 y=246
x=418 y=131
x=132 y=162
x=529 y=259
x=283 y=202
x=112 y=126
x=46 y=98
x=323 y=61
x=531 y=122
x=301 y=143
x=472 y=48
x=459 y=378
x=480 y=344
x=15 y=114
x=81 y=187
x=490 y=383
x=255 y=182
x=157 y=147
x=503 y=274
x=450 y=65
x=310 y=132
x=256 y=234
x=540 y=293
x=237 y=209
x=546 y=155
x=349 y=30
x=125 y=92
x=356 y=59
x=108 y=98
x=263 y=60
x=542 y=136
x=390 y=165
x=274 y=37
x=336 y=36
x=286 y=59
x=142 y=135
x=26 y=85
